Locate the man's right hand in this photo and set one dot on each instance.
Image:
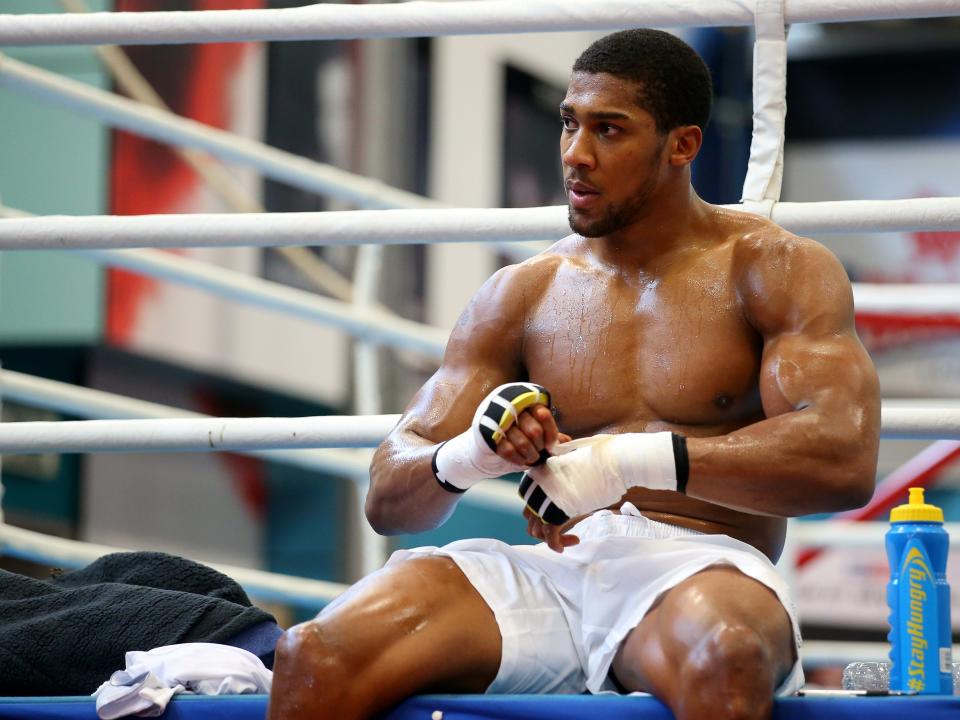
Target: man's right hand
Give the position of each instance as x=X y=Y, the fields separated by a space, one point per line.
x=511 y=431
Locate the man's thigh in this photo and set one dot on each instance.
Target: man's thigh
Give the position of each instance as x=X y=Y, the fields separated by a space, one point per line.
x=415 y=626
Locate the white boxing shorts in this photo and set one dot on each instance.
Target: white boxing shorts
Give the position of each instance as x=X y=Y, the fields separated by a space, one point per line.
x=563 y=616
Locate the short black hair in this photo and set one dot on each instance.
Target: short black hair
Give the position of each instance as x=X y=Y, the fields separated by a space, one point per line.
x=675 y=82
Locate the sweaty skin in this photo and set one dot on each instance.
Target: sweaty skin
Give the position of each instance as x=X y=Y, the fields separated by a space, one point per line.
x=661 y=312
x=712 y=323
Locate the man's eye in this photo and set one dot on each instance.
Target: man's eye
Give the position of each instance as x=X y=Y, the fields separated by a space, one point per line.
x=568 y=123
x=606 y=129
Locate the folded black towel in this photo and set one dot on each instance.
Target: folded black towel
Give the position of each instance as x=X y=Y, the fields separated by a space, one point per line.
x=66 y=635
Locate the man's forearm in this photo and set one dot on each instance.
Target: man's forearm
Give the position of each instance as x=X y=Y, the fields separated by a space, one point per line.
x=793 y=464
x=404 y=495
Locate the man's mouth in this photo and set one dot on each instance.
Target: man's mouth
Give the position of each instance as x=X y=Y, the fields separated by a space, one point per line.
x=582 y=195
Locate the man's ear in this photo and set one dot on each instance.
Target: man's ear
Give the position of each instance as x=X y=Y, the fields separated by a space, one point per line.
x=684 y=142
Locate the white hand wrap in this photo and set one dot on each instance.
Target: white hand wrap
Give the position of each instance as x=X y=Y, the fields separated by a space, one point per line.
x=471 y=456
x=594 y=472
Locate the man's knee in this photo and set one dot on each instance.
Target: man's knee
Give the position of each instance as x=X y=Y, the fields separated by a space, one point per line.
x=311 y=650
x=732 y=672
x=729 y=654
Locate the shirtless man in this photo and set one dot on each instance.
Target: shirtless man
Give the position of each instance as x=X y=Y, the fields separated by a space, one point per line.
x=707 y=363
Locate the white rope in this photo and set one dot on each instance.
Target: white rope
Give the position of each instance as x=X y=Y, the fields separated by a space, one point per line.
x=833 y=217
x=363 y=322
x=428 y=19
x=194 y=434
x=761 y=186
x=856 y=535
x=370 y=323
x=86 y=402
x=907 y=300
x=36 y=547
x=232 y=434
x=168 y=127
x=411 y=227
x=96 y=404
x=836 y=652
x=920 y=423
x=367 y=398
x=331 y=229
x=373 y=324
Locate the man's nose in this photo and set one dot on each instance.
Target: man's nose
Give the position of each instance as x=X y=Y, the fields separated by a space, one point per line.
x=577 y=151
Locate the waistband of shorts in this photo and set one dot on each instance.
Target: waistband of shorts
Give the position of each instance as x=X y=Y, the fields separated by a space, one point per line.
x=628 y=522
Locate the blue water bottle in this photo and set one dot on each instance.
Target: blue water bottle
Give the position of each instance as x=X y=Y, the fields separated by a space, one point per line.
x=919 y=599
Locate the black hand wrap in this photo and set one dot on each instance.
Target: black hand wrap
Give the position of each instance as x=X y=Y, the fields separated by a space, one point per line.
x=683 y=462
x=497 y=417
x=471 y=456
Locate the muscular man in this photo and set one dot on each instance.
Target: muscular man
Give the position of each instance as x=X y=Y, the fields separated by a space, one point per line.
x=706 y=362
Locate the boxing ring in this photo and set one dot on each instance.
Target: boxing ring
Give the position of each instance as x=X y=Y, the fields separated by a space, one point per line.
x=393 y=216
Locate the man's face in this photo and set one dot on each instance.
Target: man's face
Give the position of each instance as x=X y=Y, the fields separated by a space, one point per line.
x=611 y=154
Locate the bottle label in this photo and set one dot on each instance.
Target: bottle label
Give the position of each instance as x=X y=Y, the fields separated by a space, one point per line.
x=921 y=655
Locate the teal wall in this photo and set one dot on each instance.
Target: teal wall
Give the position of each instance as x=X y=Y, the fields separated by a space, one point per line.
x=51 y=162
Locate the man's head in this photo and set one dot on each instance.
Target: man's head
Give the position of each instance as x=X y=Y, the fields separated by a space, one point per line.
x=636 y=106
x=673 y=82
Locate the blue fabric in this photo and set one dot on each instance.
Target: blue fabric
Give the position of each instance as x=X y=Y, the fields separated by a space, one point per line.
x=260 y=639
x=504 y=707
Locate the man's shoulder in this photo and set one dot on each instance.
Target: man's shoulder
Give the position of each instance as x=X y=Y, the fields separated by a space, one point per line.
x=543 y=266
x=781 y=276
x=760 y=245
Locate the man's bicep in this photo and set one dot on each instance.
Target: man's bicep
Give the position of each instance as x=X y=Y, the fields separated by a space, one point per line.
x=801 y=302
x=829 y=373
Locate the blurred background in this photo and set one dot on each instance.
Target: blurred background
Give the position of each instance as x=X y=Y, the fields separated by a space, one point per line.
x=873 y=113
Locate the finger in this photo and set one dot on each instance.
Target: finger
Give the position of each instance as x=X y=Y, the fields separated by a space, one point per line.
x=564 y=438
x=551 y=535
x=524 y=447
x=569 y=540
x=533 y=523
x=542 y=414
x=509 y=452
x=532 y=428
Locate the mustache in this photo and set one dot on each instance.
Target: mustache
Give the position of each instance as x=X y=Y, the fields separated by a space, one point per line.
x=573 y=179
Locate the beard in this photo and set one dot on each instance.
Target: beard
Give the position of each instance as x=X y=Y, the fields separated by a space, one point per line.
x=619 y=215
x=616 y=216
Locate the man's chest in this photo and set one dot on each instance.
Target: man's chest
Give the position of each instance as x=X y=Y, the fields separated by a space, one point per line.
x=624 y=357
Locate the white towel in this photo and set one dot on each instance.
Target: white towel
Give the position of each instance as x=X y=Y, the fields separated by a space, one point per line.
x=152 y=678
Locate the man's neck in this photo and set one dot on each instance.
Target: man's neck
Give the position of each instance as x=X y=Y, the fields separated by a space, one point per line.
x=675 y=220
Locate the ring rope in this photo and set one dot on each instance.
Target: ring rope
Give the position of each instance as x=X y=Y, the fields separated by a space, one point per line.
x=854 y=535
x=764 y=177
x=414 y=227
x=368 y=323
x=231 y=434
x=374 y=325
x=429 y=19
x=90 y=403
x=37 y=547
x=168 y=127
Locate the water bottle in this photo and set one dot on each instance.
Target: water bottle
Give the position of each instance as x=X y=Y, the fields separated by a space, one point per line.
x=875 y=676
x=919 y=599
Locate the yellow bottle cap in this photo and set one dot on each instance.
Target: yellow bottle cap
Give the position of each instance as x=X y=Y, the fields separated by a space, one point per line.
x=916 y=510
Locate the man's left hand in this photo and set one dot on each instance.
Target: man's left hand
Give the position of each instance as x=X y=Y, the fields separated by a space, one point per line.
x=553 y=535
